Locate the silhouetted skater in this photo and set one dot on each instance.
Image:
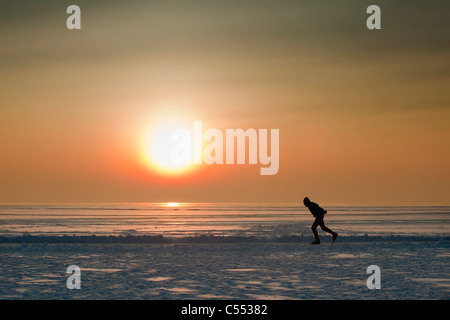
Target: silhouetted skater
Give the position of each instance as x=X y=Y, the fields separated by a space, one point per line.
x=318 y=213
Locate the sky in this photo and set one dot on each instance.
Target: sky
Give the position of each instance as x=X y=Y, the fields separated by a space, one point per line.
x=363 y=115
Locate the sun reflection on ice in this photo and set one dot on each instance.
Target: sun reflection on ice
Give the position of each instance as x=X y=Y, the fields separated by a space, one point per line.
x=172 y=204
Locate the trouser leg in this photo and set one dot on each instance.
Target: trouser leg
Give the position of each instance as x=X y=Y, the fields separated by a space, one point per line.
x=324 y=228
x=314 y=229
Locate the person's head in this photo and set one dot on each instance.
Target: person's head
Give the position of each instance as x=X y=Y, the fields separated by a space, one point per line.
x=306 y=201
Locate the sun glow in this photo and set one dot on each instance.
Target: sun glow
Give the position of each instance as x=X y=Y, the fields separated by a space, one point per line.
x=156 y=150
x=172 y=204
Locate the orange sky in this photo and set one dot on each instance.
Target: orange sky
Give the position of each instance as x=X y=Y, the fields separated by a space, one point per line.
x=363 y=115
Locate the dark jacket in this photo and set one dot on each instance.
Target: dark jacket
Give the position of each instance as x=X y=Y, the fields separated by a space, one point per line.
x=316 y=211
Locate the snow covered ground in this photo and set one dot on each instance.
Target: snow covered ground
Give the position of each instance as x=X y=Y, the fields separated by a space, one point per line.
x=222 y=251
x=411 y=268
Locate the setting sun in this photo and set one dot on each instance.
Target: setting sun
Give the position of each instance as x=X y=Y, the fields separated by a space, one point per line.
x=157 y=153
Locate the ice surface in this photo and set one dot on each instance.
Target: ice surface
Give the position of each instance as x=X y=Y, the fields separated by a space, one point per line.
x=410 y=269
x=222 y=251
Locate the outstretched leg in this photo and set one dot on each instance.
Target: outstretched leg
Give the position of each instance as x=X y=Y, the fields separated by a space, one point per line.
x=324 y=228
